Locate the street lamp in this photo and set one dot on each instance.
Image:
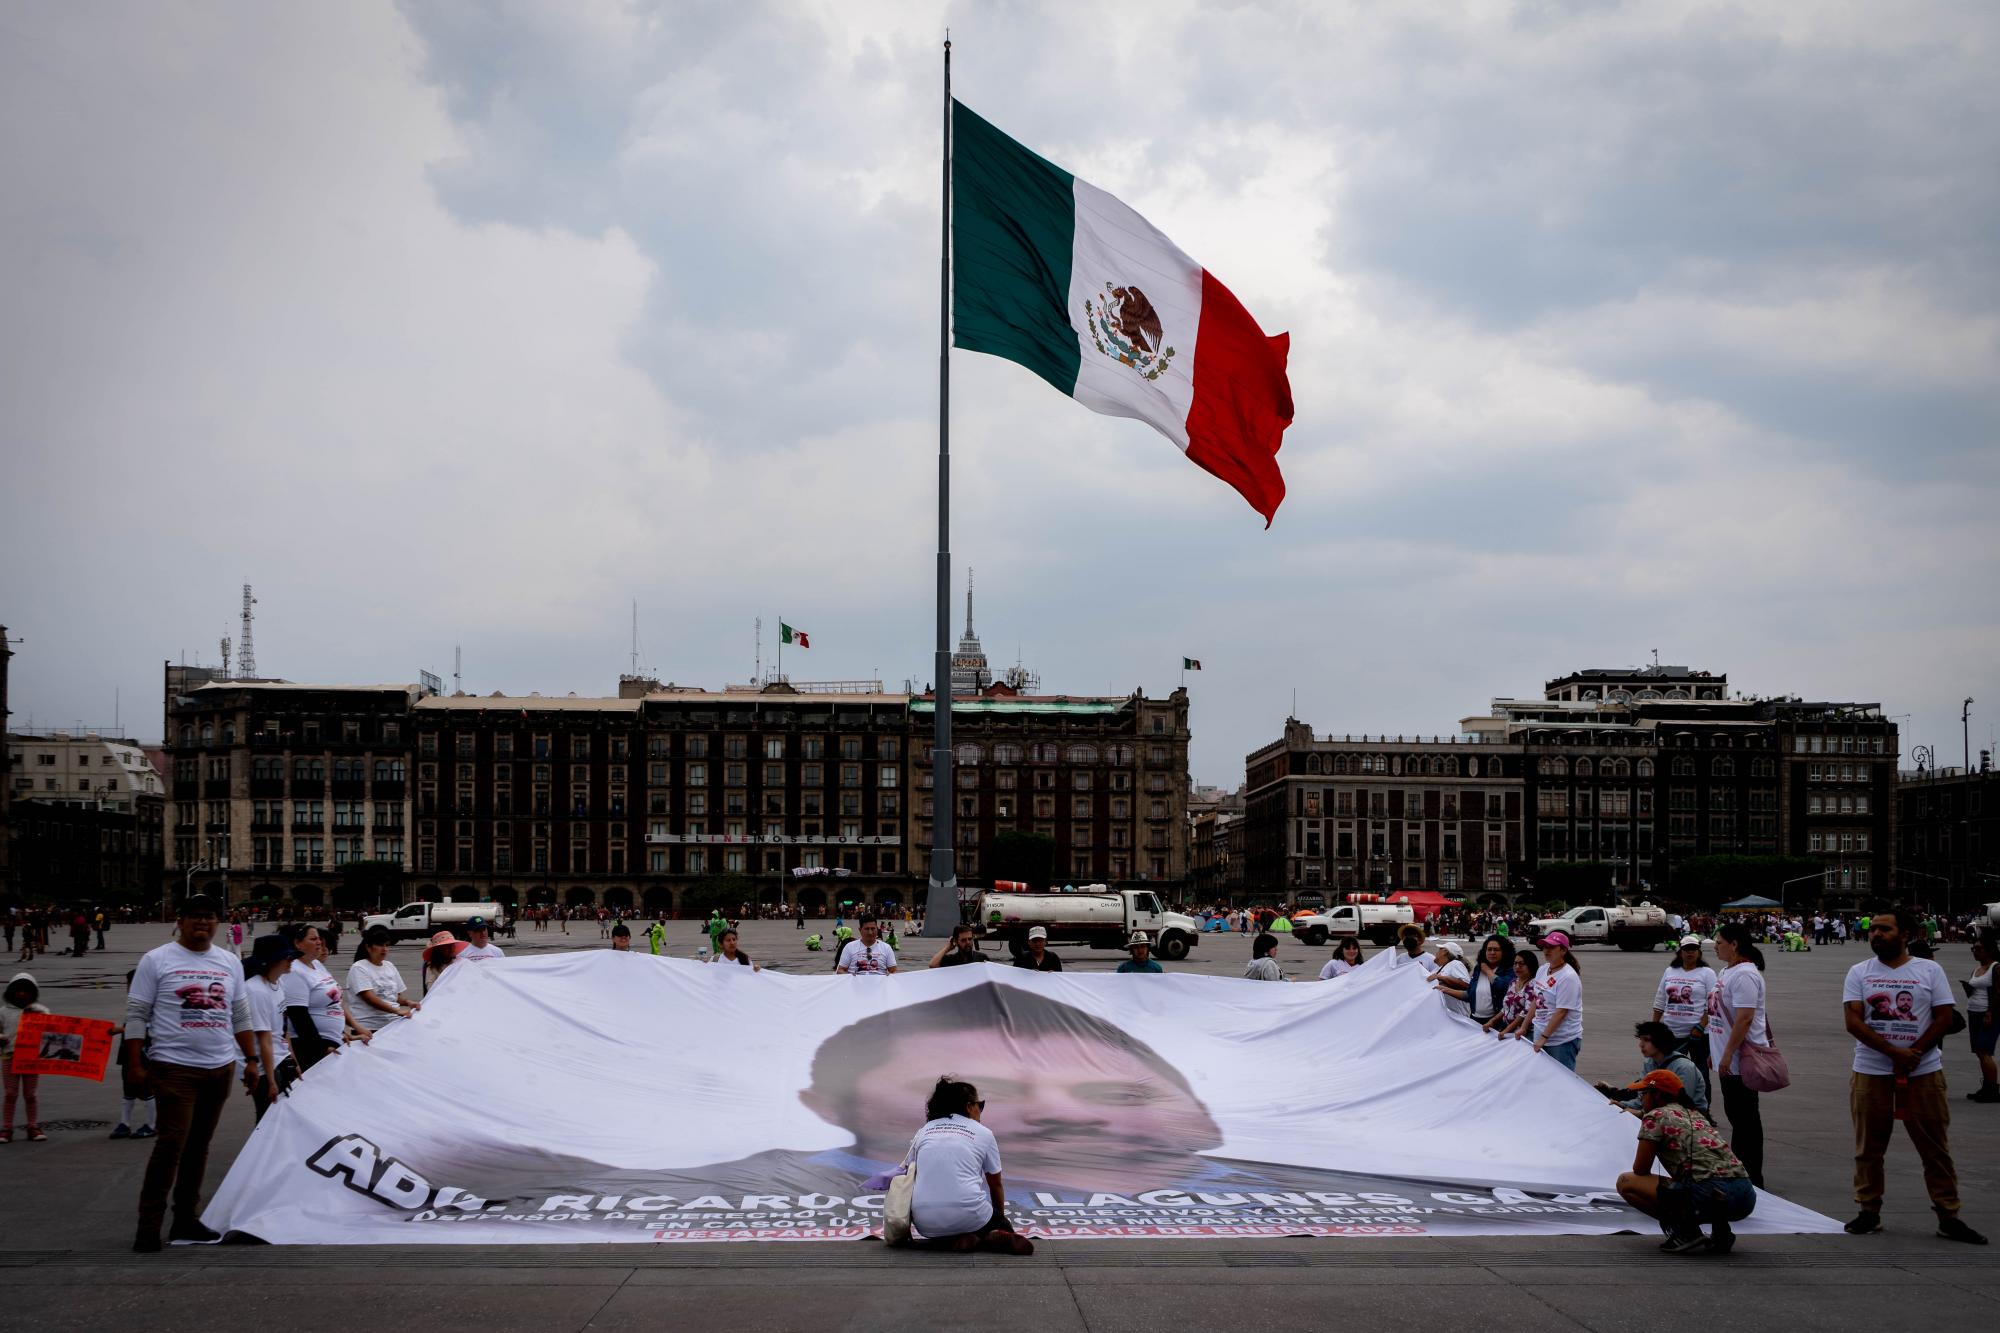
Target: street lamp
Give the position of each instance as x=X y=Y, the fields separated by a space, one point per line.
x=1819 y=875
x=1905 y=870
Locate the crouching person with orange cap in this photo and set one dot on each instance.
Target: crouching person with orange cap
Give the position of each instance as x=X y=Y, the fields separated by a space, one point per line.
x=1704 y=1182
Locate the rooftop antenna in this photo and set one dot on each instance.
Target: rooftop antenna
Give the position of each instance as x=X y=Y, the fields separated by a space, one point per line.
x=1656 y=659
x=635 y=636
x=968 y=601
x=225 y=658
x=457 y=669
x=246 y=655
x=757 y=675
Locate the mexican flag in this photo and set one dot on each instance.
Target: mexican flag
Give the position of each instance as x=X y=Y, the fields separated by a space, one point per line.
x=796 y=637
x=1052 y=272
x=1190 y=664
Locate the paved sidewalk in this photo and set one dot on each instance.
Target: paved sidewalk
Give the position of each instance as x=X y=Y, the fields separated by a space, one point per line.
x=69 y=1208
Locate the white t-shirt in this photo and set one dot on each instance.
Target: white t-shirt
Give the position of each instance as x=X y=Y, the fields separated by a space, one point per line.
x=385 y=981
x=480 y=953
x=1424 y=960
x=1896 y=1002
x=267 y=1013
x=1561 y=989
x=193 y=1005
x=1339 y=967
x=953 y=1156
x=1979 y=991
x=1682 y=997
x=1741 y=987
x=1455 y=970
x=311 y=987
x=869 y=960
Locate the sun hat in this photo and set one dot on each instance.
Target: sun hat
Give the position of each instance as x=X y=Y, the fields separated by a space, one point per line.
x=267 y=950
x=1038 y=932
x=1555 y=937
x=1452 y=947
x=1662 y=1080
x=1139 y=937
x=444 y=939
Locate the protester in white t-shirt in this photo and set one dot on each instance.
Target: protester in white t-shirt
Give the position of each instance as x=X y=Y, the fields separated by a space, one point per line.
x=1452 y=978
x=483 y=948
x=867 y=956
x=311 y=987
x=1558 y=1019
x=1346 y=957
x=270 y=959
x=376 y=995
x=186 y=1021
x=1736 y=1015
x=1899 y=1008
x=1411 y=951
x=1681 y=999
x=959 y=1201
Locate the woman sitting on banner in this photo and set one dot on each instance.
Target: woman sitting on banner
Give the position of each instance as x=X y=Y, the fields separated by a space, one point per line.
x=959 y=1202
x=727 y=952
x=1705 y=1182
x=1517 y=1006
x=1346 y=957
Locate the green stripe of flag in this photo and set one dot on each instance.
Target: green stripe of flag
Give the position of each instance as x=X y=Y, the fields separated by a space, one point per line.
x=1013 y=226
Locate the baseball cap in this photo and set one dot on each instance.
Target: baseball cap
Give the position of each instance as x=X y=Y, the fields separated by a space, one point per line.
x=1452 y=947
x=1038 y=932
x=1555 y=937
x=1692 y=941
x=1664 y=1080
x=475 y=923
x=198 y=904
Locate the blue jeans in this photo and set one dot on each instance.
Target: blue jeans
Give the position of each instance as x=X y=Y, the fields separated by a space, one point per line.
x=1565 y=1053
x=1688 y=1204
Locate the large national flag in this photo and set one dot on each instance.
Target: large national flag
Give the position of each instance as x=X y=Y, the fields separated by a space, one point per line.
x=1052 y=272
x=798 y=638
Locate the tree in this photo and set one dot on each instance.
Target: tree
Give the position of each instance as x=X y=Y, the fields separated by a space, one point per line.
x=725 y=893
x=1027 y=857
x=374 y=885
x=1707 y=882
x=1574 y=881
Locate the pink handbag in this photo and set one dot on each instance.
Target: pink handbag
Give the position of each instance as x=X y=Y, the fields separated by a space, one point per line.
x=1763 y=1068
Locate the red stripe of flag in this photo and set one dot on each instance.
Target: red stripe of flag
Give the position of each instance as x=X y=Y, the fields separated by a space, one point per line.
x=1242 y=399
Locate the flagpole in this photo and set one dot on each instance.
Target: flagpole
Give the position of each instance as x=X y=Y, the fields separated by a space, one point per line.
x=941 y=897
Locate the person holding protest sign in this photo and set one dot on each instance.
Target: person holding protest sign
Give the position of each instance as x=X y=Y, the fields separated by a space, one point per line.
x=621 y=938
x=867 y=956
x=1347 y=956
x=1558 y=1002
x=377 y=984
x=186 y=1019
x=19 y=998
x=728 y=952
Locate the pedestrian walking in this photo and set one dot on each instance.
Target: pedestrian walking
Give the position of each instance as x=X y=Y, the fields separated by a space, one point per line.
x=186 y=1019
x=1898 y=1009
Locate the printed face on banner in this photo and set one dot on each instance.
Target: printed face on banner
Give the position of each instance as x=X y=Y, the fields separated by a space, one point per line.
x=1074 y=1099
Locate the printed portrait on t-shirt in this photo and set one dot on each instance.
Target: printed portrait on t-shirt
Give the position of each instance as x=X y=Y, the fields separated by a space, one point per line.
x=195 y=995
x=1679 y=993
x=1906 y=1005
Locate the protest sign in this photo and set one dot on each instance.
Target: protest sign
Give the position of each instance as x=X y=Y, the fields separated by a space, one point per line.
x=619 y=1097
x=64 y=1045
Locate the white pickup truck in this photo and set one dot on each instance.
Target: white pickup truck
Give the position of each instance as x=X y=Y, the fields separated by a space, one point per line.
x=1378 y=921
x=422 y=920
x=1634 y=929
x=1097 y=920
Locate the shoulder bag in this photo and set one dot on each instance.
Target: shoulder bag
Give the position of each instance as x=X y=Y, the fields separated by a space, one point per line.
x=1763 y=1068
x=897 y=1202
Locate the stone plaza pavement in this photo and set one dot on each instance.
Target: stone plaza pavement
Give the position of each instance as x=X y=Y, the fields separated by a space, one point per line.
x=67 y=1208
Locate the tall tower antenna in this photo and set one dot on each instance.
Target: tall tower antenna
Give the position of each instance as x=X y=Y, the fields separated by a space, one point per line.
x=968 y=601
x=457 y=669
x=246 y=650
x=635 y=636
x=225 y=659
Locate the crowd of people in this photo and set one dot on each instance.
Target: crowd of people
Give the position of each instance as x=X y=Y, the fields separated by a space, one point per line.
x=199 y=1018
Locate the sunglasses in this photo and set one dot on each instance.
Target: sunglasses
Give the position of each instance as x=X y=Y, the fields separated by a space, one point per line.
x=979 y=1105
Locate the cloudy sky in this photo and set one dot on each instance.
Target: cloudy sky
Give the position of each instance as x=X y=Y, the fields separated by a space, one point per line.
x=1614 y=328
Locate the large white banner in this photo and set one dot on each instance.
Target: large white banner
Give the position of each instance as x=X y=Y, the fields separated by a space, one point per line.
x=620 y=1097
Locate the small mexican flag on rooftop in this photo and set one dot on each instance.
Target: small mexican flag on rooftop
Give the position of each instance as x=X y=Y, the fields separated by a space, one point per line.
x=1190 y=664
x=1053 y=273
x=796 y=637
